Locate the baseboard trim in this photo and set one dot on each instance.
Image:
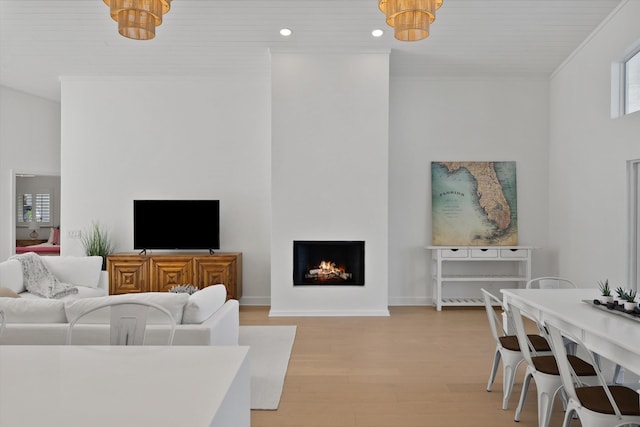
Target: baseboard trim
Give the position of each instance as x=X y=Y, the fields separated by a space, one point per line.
x=401 y=301
x=328 y=313
x=255 y=301
x=393 y=301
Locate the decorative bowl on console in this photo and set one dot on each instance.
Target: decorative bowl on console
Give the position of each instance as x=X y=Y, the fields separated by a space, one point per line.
x=187 y=289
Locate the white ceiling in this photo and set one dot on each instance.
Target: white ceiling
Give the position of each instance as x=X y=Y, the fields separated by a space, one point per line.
x=41 y=40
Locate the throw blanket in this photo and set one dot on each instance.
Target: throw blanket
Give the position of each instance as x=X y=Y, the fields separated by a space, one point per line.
x=39 y=280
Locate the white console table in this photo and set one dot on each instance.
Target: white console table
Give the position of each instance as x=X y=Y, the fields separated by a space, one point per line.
x=458 y=272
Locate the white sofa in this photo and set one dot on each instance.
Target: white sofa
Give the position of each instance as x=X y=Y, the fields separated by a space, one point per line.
x=203 y=318
x=82 y=272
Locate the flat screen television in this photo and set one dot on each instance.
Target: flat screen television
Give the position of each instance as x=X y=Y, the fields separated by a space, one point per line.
x=176 y=224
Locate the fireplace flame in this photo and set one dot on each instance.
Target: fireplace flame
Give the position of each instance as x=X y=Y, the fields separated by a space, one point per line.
x=327 y=270
x=328 y=266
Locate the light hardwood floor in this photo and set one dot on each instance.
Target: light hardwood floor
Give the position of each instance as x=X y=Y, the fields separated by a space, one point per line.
x=418 y=367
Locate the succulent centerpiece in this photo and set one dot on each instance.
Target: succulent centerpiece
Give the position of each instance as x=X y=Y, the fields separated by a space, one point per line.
x=605 y=292
x=630 y=303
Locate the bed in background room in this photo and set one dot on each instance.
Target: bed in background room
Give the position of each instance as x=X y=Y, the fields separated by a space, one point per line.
x=50 y=247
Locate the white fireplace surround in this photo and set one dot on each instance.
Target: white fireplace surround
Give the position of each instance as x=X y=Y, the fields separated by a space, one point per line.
x=344 y=157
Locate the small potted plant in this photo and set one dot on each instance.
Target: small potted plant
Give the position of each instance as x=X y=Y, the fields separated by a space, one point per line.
x=96 y=241
x=630 y=300
x=605 y=292
x=619 y=298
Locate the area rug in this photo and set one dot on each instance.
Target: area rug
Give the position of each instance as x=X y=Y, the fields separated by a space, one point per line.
x=269 y=357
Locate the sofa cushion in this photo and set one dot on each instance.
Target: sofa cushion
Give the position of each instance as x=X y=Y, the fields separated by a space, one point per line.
x=171 y=301
x=33 y=310
x=83 y=271
x=83 y=292
x=11 y=275
x=87 y=292
x=203 y=303
x=8 y=293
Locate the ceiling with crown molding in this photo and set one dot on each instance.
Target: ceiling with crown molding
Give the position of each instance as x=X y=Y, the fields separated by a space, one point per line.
x=43 y=40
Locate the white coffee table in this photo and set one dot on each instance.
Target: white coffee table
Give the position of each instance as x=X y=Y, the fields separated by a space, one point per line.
x=195 y=386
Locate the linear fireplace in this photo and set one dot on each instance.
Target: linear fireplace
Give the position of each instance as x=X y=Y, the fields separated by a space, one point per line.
x=328 y=262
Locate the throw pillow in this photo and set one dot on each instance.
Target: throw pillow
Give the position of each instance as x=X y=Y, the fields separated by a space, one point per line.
x=50 y=239
x=11 y=275
x=204 y=303
x=56 y=236
x=8 y=293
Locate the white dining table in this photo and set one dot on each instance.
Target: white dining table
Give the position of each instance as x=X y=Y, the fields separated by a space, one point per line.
x=614 y=337
x=137 y=386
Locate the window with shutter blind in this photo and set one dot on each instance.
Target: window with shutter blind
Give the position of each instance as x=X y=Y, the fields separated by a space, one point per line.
x=34 y=207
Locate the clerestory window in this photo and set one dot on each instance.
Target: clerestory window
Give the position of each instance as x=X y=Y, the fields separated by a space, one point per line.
x=632 y=84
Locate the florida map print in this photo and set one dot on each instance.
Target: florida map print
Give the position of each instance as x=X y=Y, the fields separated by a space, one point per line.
x=474 y=204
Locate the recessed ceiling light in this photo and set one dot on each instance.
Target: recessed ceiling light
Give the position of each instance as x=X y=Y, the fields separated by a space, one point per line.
x=377 y=33
x=285 y=32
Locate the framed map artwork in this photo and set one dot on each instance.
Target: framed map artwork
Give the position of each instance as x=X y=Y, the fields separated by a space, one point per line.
x=474 y=204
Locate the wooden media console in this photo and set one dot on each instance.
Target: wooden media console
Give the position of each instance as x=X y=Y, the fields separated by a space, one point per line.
x=134 y=273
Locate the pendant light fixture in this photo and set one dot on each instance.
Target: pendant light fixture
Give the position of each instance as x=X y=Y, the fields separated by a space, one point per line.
x=410 y=19
x=138 y=19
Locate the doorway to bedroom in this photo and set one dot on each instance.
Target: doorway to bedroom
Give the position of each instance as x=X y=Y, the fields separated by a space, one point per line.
x=36 y=201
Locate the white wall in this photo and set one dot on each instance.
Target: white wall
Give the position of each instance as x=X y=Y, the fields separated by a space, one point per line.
x=126 y=139
x=329 y=179
x=589 y=150
x=211 y=138
x=464 y=120
x=29 y=143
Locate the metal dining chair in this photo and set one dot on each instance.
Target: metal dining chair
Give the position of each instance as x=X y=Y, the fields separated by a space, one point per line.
x=128 y=321
x=562 y=283
x=543 y=369
x=553 y=283
x=550 y=283
x=598 y=405
x=507 y=347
